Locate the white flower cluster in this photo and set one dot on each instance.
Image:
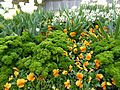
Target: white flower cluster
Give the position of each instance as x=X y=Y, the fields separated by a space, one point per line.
x=8 y=10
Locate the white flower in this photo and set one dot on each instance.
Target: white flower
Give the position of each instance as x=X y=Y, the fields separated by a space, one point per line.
x=12 y=12
x=2 y=11
x=57 y=14
x=37 y=29
x=21 y=4
x=102 y=2
x=31 y=2
x=6 y=5
x=110 y=4
x=8 y=16
x=85 y=1
x=74 y=8
x=39 y=1
x=8 y=1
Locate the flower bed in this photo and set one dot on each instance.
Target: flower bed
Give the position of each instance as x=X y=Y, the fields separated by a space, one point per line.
x=76 y=49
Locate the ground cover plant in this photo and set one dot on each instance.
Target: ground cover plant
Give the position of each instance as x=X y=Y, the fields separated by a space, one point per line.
x=69 y=49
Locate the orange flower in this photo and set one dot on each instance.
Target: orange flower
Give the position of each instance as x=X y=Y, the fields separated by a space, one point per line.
x=65 y=72
x=56 y=72
x=7 y=86
x=97 y=63
x=21 y=82
x=50 y=27
x=91 y=30
x=67 y=84
x=83 y=49
x=79 y=76
x=72 y=34
x=65 y=31
x=83 y=34
x=86 y=63
x=99 y=77
x=31 y=77
x=113 y=81
x=96 y=26
x=79 y=83
x=86 y=43
x=88 y=56
x=70 y=68
x=81 y=56
x=103 y=85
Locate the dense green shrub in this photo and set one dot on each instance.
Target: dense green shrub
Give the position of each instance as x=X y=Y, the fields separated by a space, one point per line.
x=108 y=52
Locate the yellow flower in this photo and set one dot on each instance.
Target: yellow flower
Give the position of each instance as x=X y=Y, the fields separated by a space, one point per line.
x=83 y=49
x=77 y=63
x=79 y=83
x=50 y=27
x=72 y=34
x=31 y=77
x=70 y=48
x=86 y=63
x=7 y=86
x=75 y=51
x=67 y=84
x=70 y=68
x=103 y=85
x=86 y=43
x=21 y=82
x=65 y=72
x=79 y=76
x=109 y=84
x=16 y=73
x=99 y=77
x=96 y=26
x=88 y=56
x=113 y=81
x=56 y=72
x=89 y=80
x=11 y=77
x=16 y=69
x=91 y=52
x=65 y=53
x=91 y=30
x=65 y=31
x=81 y=56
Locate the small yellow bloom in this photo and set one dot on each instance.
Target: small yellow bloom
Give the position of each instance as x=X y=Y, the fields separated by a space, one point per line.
x=65 y=53
x=79 y=83
x=86 y=43
x=70 y=68
x=65 y=31
x=88 y=56
x=103 y=85
x=72 y=34
x=96 y=26
x=16 y=69
x=65 y=72
x=109 y=84
x=67 y=84
x=91 y=30
x=50 y=27
x=81 y=56
x=21 y=83
x=70 y=48
x=56 y=72
x=78 y=63
x=7 y=86
x=31 y=77
x=83 y=49
x=16 y=73
x=79 y=76
x=99 y=77
x=11 y=77
x=75 y=51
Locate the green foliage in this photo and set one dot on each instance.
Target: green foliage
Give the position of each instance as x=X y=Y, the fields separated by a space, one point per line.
x=108 y=52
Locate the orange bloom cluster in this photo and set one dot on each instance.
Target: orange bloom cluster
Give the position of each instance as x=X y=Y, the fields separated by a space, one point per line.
x=67 y=84
x=56 y=72
x=21 y=82
x=72 y=34
x=99 y=77
x=88 y=56
x=83 y=49
x=79 y=76
x=97 y=63
x=31 y=77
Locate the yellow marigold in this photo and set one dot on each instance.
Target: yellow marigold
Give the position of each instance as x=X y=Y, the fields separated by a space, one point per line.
x=79 y=83
x=79 y=76
x=83 y=49
x=103 y=85
x=70 y=68
x=65 y=72
x=75 y=51
x=89 y=80
x=31 y=77
x=7 y=86
x=86 y=43
x=21 y=82
x=50 y=27
x=11 y=77
x=86 y=63
x=16 y=73
x=96 y=26
x=65 y=53
x=65 y=31
x=109 y=84
x=16 y=69
x=81 y=56
x=74 y=45
x=77 y=59
x=91 y=30
x=67 y=84
x=56 y=72
x=99 y=77
x=70 y=48
x=78 y=63
x=88 y=56
x=97 y=63
x=72 y=34
x=91 y=52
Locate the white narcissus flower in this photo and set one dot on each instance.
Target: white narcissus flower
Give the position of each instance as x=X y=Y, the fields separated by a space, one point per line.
x=85 y=1
x=8 y=1
x=8 y=16
x=102 y=2
x=37 y=29
x=6 y=5
x=12 y=12
x=21 y=4
x=39 y=1
x=57 y=14
x=2 y=11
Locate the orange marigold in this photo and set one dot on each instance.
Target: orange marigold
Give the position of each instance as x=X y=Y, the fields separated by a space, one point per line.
x=99 y=77
x=31 y=77
x=65 y=31
x=65 y=72
x=21 y=82
x=7 y=86
x=56 y=72
x=97 y=63
x=88 y=56
x=83 y=49
x=81 y=56
x=67 y=84
x=79 y=76
x=72 y=34
x=103 y=85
